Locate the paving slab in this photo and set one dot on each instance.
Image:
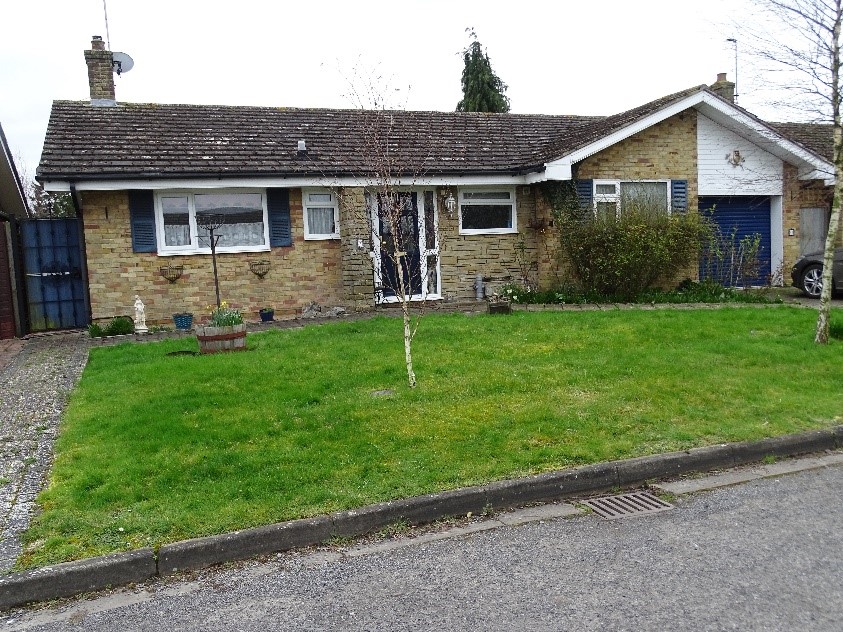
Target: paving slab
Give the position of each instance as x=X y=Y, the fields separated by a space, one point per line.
x=726 y=479
x=535 y=514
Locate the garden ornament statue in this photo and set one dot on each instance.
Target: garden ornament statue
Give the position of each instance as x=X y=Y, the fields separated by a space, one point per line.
x=140 y=316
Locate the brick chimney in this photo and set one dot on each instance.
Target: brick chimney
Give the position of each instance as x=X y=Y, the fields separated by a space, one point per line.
x=724 y=87
x=100 y=73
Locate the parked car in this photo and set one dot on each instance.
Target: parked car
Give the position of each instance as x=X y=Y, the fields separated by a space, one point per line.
x=807 y=273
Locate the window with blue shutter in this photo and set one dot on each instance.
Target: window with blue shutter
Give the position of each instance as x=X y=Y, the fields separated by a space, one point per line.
x=679 y=196
x=278 y=209
x=142 y=219
x=585 y=193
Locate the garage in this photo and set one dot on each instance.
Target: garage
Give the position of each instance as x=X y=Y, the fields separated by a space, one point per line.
x=738 y=217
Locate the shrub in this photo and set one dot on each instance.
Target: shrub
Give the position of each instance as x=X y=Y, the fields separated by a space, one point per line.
x=622 y=256
x=119 y=326
x=688 y=291
x=705 y=291
x=526 y=295
x=730 y=261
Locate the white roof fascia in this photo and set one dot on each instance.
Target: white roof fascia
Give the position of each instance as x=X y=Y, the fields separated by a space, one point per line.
x=556 y=170
x=270 y=182
x=825 y=176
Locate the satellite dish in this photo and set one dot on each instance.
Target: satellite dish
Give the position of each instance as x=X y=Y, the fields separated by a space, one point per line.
x=121 y=63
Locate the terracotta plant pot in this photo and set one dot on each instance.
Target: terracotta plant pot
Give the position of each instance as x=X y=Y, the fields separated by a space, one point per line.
x=220 y=339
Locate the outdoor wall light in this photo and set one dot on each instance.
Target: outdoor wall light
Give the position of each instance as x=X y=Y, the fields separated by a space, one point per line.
x=450 y=203
x=791 y=232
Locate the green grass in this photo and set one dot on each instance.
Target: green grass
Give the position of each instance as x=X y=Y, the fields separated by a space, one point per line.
x=156 y=448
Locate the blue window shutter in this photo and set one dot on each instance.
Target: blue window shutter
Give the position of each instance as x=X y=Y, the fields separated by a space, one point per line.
x=585 y=193
x=142 y=219
x=278 y=209
x=679 y=196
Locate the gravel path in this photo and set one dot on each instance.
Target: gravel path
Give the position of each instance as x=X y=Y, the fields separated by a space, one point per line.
x=33 y=392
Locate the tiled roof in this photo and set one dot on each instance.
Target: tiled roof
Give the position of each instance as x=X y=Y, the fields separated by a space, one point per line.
x=151 y=140
x=604 y=126
x=141 y=141
x=814 y=136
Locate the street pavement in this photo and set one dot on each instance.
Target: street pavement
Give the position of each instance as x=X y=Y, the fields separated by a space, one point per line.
x=763 y=555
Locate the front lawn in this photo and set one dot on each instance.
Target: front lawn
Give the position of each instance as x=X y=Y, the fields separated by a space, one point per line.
x=156 y=448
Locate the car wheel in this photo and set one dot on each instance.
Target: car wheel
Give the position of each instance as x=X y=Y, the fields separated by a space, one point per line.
x=812 y=280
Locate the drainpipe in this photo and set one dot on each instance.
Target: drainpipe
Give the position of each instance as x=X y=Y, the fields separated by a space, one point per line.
x=479 y=288
x=74 y=197
x=77 y=206
x=20 y=309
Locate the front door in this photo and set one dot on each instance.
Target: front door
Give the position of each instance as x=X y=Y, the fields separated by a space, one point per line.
x=406 y=246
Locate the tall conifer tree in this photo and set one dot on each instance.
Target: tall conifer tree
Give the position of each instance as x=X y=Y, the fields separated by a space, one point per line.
x=482 y=89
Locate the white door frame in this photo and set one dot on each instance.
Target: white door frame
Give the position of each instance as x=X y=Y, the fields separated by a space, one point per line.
x=424 y=252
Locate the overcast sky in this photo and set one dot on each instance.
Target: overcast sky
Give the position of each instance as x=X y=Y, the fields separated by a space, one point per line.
x=557 y=57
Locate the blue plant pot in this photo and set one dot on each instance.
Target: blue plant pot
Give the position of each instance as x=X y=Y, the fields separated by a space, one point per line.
x=183 y=321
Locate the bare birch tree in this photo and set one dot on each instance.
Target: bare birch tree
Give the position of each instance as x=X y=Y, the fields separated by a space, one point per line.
x=401 y=222
x=808 y=52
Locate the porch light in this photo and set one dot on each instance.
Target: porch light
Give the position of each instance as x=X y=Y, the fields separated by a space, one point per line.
x=450 y=204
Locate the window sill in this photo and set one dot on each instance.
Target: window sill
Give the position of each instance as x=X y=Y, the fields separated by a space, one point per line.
x=207 y=251
x=321 y=237
x=489 y=231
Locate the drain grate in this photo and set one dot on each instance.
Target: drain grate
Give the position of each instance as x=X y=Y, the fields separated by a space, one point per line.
x=623 y=505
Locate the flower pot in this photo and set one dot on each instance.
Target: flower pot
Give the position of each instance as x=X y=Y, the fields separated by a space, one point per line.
x=267 y=315
x=220 y=339
x=500 y=307
x=183 y=320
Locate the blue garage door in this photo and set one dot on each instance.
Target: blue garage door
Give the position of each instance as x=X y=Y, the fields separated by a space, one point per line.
x=737 y=218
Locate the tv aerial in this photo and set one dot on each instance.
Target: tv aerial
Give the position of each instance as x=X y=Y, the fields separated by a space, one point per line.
x=121 y=63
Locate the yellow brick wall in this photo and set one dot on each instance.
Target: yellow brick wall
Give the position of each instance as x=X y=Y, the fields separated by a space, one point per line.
x=356 y=264
x=493 y=256
x=307 y=271
x=798 y=195
x=667 y=150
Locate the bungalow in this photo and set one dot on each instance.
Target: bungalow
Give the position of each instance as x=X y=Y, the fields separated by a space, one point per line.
x=291 y=186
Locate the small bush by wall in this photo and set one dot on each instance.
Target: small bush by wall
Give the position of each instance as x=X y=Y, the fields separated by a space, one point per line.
x=623 y=256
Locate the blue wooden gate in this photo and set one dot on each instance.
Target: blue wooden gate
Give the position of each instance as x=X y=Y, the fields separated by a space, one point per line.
x=54 y=269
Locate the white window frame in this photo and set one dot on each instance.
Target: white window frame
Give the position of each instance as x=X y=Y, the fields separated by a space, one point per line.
x=333 y=204
x=616 y=196
x=194 y=248
x=488 y=231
